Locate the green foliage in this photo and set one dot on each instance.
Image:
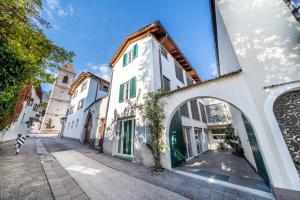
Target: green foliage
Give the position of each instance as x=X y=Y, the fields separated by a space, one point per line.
x=26 y=53
x=92 y=142
x=154 y=114
x=233 y=140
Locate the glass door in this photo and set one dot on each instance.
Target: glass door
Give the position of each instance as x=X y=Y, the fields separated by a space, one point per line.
x=126 y=135
x=188 y=142
x=198 y=139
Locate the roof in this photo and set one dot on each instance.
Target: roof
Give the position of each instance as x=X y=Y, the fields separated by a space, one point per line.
x=204 y=82
x=158 y=31
x=69 y=68
x=82 y=77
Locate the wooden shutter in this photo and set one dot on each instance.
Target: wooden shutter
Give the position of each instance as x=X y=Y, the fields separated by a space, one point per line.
x=135 y=51
x=133 y=87
x=124 y=59
x=121 y=94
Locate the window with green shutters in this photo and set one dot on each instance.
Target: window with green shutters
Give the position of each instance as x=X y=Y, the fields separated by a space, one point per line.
x=121 y=93
x=135 y=51
x=129 y=56
x=124 y=59
x=127 y=90
x=133 y=87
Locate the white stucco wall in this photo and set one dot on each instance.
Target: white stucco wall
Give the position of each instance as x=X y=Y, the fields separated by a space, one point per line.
x=266 y=44
x=20 y=126
x=238 y=125
x=90 y=95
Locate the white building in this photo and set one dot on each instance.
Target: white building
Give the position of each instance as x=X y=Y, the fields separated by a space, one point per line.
x=59 y=101
x=257 y=45
x=146 y=62
x=27 y=109
x=87 y=108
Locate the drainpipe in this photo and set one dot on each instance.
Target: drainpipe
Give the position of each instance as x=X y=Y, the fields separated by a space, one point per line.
x=107 y=107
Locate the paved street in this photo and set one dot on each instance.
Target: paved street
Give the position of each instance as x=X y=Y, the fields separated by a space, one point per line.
x=74 y=171
x=22 y=176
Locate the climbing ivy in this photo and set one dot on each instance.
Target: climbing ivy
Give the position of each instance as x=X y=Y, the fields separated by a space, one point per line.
x=154 y=114
x=233 y=140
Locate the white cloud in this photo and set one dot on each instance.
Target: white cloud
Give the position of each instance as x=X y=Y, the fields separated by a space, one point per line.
x=214 y=70
x=54 y=8
x=101 y=70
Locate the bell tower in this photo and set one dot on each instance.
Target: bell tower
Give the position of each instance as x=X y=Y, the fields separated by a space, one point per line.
x=59 y=100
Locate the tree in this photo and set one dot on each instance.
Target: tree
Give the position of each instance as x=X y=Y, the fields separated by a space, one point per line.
x=26 y=53
x=154 y=114
x=233 y=140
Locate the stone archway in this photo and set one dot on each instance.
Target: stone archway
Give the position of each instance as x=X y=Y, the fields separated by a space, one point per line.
x=232 y=89
x=87 y=128
x=286 y=109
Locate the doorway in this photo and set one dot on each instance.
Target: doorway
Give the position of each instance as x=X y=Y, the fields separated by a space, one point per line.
x=88 y=127
x=126 y=135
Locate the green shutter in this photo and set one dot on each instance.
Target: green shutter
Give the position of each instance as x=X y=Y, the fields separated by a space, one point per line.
x=133 y=87
x=135 y=51
x=124 y=59
x=121 y=94
x=129 y=137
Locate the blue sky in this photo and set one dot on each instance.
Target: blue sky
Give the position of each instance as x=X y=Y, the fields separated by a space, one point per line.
x=94 y=29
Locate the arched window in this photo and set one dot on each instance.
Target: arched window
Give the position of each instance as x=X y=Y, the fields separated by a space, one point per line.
x=286 y=109
x=65 y=79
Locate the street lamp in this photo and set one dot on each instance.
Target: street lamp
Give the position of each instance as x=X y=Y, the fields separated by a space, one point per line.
x=63 y=120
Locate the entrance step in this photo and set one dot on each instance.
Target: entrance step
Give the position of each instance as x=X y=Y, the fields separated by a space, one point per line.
x=210 y=179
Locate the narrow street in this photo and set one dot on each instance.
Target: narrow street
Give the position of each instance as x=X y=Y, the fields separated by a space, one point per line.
x=55 y=168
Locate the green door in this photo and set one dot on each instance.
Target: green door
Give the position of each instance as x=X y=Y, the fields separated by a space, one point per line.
x=177 y=145
x=255 y=150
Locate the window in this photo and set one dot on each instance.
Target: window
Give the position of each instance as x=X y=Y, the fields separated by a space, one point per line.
x=77 y=121
x=71 y=110
x=72 y=124
x=30 y=102
x=104 y=89
x=125 y=133
x=129 y=56
x=80 y=104
x=189 y=80
x=184 y=110
x=166 y=84
x=83 y=86
x=75 y=94
x=203 y=113
x=65 y=79
x=179 y=72
x=195 y=111
x=35 y=107
x=68 y=125
x=127 y=90
x=164 y=53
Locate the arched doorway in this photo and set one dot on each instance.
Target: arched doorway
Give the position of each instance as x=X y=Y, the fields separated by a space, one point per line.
x=193 y=145
x=286 y=109
x=87 y=128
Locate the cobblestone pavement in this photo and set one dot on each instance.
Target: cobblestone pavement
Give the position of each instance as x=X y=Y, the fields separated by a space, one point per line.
x=185 y=186
x=22 y=176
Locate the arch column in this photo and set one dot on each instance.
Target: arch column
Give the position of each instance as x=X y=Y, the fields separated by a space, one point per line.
x=288 y=163
x=233 y=90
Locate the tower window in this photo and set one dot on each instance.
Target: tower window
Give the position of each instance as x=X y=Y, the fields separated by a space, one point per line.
x=65 y=79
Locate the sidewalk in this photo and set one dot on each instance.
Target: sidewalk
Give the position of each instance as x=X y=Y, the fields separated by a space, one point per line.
x=186 y=186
